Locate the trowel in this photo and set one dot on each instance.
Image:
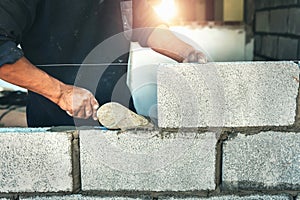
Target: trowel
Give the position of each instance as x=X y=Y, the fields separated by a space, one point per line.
x=114 y=116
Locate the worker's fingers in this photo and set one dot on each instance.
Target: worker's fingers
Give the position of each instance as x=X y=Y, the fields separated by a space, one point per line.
x=84 y=109
x=84 y=112
x=196 y=57
x=78 y=102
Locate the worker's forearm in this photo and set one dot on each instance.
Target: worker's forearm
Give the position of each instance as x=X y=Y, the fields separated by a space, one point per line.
x=165 y=42
x=24 y=74
x=77 y=102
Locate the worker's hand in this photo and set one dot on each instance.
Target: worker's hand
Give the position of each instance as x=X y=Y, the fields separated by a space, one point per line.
x=78 y=102
x=195 y=56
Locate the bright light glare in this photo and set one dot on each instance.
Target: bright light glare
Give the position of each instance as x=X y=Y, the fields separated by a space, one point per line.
x=166 y=10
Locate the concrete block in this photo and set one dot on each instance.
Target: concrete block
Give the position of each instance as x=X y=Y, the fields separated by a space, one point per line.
x=262 y=4
x=286 y=2
x=80 y=197
x=262 y=22
x=294 y=21
x=35 y=162
x=290 y=2
x=232 y=197
x=147 y=161
x=269 y=160
x=237 y=94
x=270 y=4
x=269 y=46
x=257 y=44
x=279 y=20
x=287 y=49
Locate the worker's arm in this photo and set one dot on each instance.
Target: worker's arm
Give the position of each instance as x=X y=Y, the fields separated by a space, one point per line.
x=77 y=102
x=162 y=40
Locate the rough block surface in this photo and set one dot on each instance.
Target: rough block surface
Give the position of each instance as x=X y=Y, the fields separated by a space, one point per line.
x=252 y=197
x=80 y=197
x=269 y=160
x=147 y=161
x=35 y=162
x=237 y=94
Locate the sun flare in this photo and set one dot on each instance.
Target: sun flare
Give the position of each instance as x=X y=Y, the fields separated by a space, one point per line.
x=167 y=10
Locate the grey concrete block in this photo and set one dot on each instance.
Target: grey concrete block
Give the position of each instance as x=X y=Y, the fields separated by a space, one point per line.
x=258 y=44
x=287 y=49
x=147 y=161
x=269 y=160
x=258 y=4
x=279 y=21
x=80 y=197
x=294 y=21
x=232 y=197
x=237 y=94
x=293 y=2
x=35 y=162
x=279 y=3
x=269 y=46
x=262 y=21
x=264 y=4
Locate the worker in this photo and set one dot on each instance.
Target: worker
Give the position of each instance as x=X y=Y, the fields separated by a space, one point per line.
x=57 y=36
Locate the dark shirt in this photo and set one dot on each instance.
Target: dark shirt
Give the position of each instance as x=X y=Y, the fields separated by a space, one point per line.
x=59 y=35
x=65 y=31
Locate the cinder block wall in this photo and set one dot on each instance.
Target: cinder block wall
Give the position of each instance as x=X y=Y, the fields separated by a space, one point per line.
x=277 y=29
x=226 y=131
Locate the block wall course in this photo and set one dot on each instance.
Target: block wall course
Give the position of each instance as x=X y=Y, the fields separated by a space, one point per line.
x=144 y=161
x=81 y=197
x=269 y=160
x=269 y=46
x=268 y=4
x=35 y=162
x=294 y=21
x=258 y=44
x=285 y=2
x=238 y=94
x=279 y=20
x=262 y=22
x=232 y=197
x=287 y=48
